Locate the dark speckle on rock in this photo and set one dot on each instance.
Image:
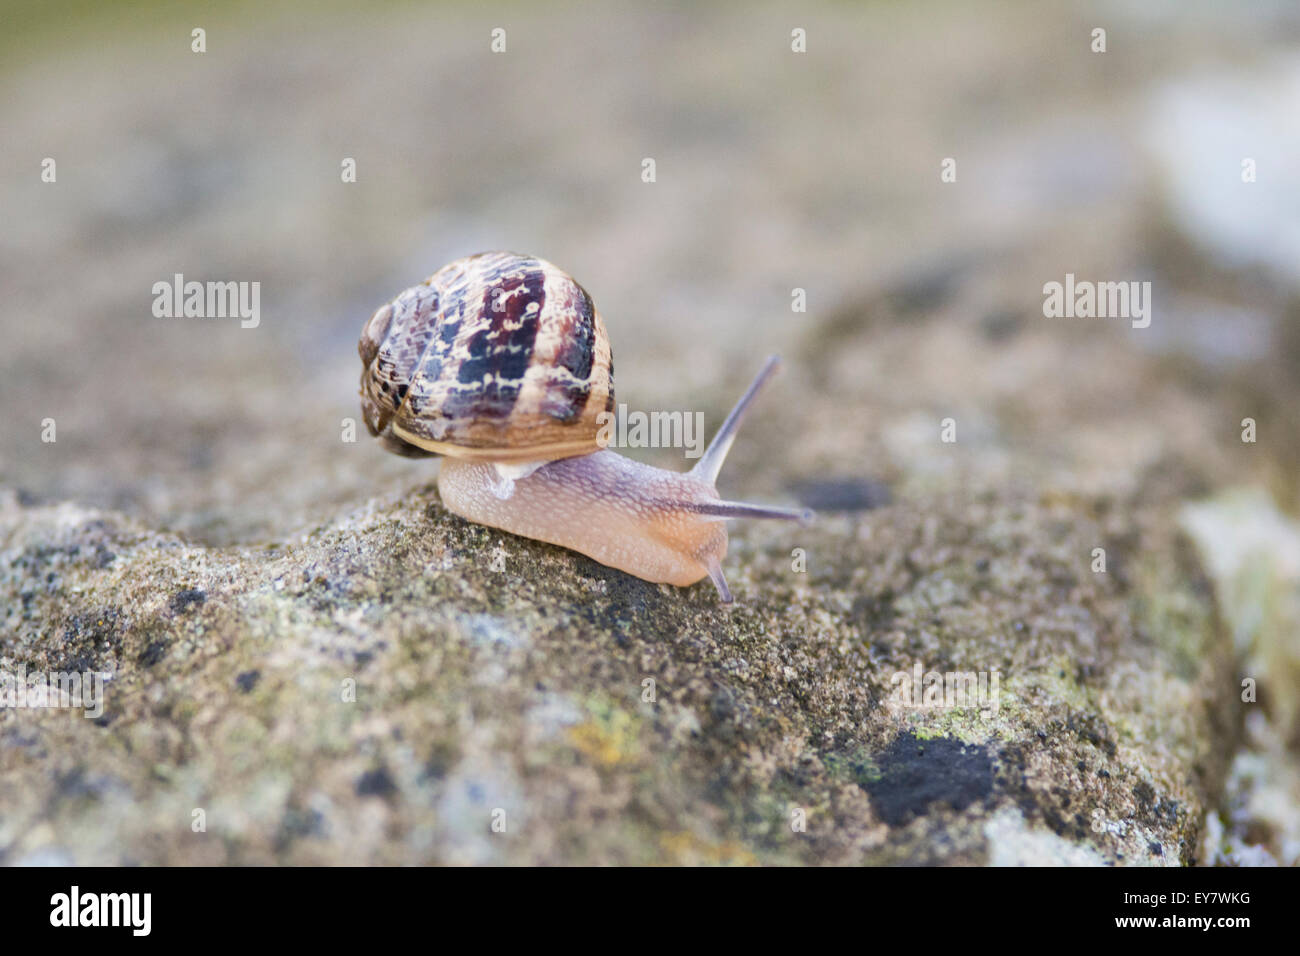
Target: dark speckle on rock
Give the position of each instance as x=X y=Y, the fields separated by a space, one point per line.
x=722 y=704
x=914 y=775
x=1001 y=325
x=925 y=287
x=153 y=652
x=247 y=680
x=376 y=783
x=298 y=823
x=183 y=600
x=841 y=494
x=1144 y=794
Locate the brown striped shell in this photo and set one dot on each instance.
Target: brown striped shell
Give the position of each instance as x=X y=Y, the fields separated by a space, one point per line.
x=495 y=357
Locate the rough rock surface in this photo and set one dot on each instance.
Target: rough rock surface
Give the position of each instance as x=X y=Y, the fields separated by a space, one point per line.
x=375 y=689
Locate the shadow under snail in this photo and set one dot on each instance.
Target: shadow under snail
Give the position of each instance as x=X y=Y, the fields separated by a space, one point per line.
x=501 y=363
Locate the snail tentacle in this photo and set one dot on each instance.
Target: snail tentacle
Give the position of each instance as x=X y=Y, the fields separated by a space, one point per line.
x=710 y=463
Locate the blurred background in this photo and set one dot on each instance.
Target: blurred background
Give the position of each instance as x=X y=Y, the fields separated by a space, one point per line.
x=775 y=170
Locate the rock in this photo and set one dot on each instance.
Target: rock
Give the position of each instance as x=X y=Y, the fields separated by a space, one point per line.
x=1252 y=552
x=385 y=687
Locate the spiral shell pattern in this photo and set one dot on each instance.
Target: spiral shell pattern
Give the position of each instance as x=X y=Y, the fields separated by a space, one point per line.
x=495 y=357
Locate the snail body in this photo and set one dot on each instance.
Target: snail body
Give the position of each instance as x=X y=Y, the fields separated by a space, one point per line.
x=501 y=363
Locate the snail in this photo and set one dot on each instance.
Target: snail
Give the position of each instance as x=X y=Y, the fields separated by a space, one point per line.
x=501 y=364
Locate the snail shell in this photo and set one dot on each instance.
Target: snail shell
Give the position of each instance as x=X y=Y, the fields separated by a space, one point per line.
x=495 y=357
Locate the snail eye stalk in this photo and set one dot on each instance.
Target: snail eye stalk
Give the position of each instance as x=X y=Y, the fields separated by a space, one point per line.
x=710 y=462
